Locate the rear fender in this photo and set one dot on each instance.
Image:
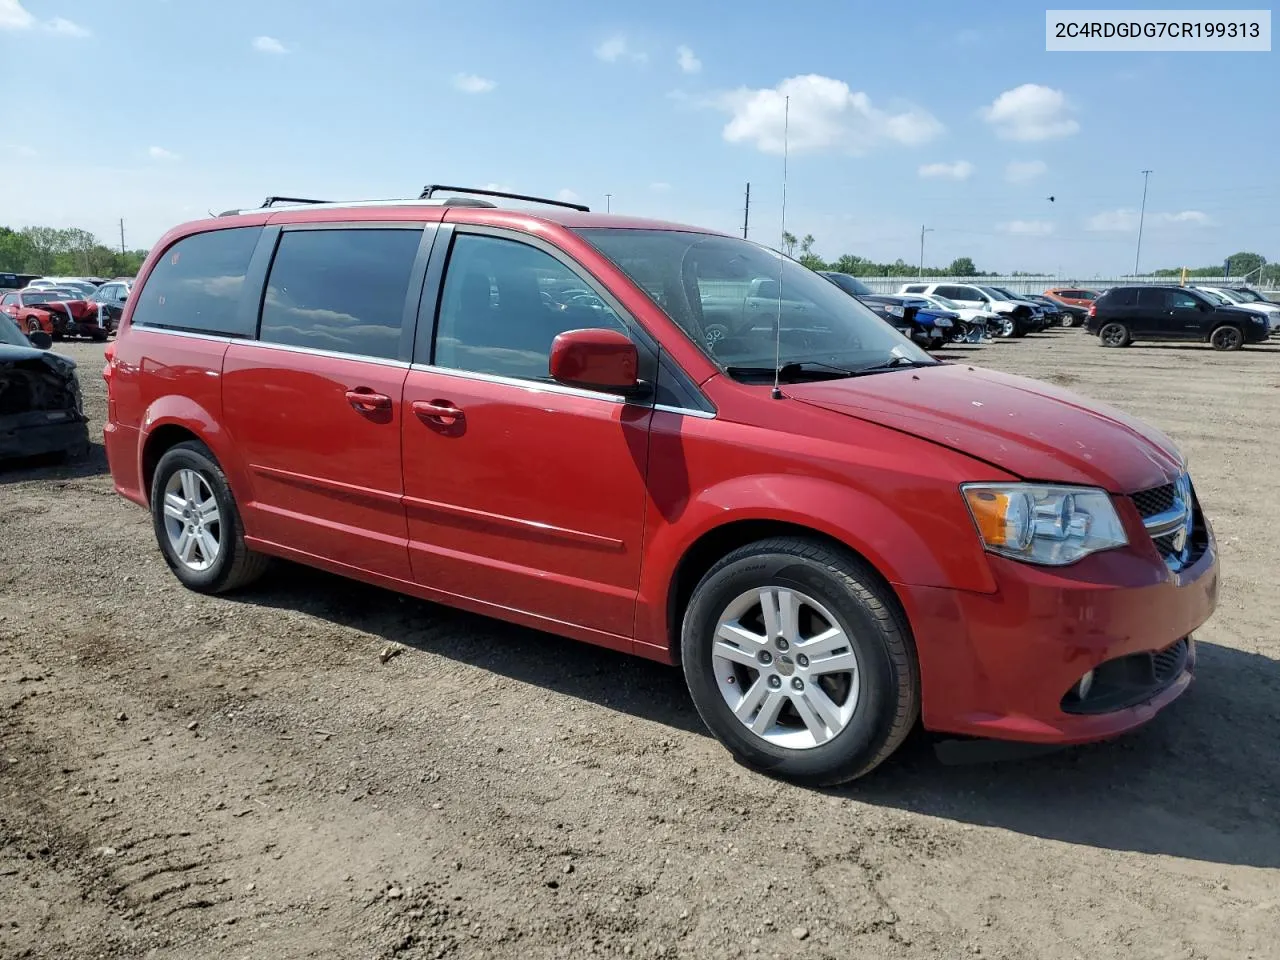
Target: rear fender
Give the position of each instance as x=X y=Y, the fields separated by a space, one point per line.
x=174 y=410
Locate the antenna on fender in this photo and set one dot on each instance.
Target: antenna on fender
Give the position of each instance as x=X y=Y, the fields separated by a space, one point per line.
x=782 y=258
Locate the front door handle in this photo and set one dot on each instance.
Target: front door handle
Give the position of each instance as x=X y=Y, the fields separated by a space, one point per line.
x=365 y=400
x=437 y=411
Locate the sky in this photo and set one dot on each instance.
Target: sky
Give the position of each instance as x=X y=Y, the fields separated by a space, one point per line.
x=946 y=115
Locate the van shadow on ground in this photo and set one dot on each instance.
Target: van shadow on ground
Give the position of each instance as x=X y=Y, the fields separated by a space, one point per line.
x=1202 y=781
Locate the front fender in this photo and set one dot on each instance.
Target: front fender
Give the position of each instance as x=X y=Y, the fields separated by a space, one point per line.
x=911 y=536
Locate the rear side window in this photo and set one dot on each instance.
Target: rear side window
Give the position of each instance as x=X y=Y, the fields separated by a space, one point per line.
x=197 y=283
x=340 y=290
x=1154 y=299
x=1119 y=297
x=959 y=293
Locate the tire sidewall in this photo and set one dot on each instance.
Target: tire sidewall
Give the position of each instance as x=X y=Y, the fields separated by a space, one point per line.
x=1235 y=345
x=196 y=457
x=871 y=723
x=1102 y=334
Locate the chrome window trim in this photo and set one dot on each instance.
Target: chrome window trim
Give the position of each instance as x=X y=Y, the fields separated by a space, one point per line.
x=684 y=411
x=190 y=334
x=533 y=385
x=335 y=354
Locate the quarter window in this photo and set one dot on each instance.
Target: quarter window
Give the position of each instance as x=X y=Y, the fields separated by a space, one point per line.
x=504 y=302
x=196 y=284
x=340 y=290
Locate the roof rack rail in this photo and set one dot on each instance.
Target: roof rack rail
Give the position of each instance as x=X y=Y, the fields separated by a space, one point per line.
x=430 y=189
x=272 y=201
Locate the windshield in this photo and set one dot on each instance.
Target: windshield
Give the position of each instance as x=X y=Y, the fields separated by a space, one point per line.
x=1248 y=296
x=729 y=294
x=994 y=293
x=10 y=335
x=1213 y=296
x=1006 y=293
x=944 y=303
x=44 y=296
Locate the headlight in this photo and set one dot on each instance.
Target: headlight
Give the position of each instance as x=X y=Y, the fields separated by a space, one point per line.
x=1053 y=526
x=1259 y=319
x=894 y=310
x=941 y=322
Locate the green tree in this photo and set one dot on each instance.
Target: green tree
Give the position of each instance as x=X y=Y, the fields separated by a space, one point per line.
x=962 y=267
x=789 y=243
x=1244 y=264
x=44 y=244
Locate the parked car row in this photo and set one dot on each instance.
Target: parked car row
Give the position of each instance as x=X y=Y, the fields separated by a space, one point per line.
x=41 y=409
x=66 y=306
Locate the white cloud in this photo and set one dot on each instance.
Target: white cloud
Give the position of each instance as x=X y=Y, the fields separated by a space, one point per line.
x=1031 y=112
x=470 y=83
x=1113 y=221
x=1024 y=171
x=567 y=195
x=160 y=153
x=825 y=114
x=688 y=62
x=1197 y=217
x=268 y=45
x=25 y=151
x=1028 y=228
x=66 y=27
x=617 y=48
x=660 y=186
x=960 y=170
x=14 y=16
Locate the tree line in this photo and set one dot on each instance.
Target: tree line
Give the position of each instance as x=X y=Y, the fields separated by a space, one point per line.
x=863 y=267
x=48 y=251
x=1243 y=265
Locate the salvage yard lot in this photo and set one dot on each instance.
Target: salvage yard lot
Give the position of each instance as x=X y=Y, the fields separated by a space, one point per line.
x=189 y=777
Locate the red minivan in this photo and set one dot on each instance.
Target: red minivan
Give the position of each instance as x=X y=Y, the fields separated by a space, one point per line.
x=670 y=442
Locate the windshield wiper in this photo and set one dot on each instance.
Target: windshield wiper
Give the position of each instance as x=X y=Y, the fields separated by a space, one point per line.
x=895 y=363
x=792 y=369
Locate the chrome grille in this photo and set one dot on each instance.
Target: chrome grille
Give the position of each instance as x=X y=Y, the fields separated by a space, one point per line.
x=1156 y=500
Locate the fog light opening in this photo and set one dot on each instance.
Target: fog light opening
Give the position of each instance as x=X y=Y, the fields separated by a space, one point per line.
x=1084 y=685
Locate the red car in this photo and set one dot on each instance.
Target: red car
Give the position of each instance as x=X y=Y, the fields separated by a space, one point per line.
x=59 y=313
x=520 y=413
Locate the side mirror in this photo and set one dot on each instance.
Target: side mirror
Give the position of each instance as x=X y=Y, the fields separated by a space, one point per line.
x=40 y=340
x=596 y=358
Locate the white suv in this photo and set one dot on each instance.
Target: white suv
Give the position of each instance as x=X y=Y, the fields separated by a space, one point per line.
x=1248 y=300
x=1016 y=315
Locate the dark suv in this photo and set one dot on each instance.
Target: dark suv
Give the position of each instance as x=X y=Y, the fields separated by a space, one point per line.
x=1125 y=314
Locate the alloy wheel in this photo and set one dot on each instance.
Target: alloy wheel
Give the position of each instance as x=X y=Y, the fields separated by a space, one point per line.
x=785 y=667
x=192 y=519
x=1113 y=335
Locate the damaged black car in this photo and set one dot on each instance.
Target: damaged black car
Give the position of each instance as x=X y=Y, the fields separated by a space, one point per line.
x=41 y=409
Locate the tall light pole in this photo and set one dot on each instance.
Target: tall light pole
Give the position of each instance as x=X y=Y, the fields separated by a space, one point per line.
x=923 y=231
x=1142 y=215
x=608 y=203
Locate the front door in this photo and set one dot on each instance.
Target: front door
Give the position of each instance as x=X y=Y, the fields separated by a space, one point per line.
x=521 y=493
x=315 y=405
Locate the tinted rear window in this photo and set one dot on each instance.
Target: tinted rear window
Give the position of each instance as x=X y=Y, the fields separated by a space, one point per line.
x=340 y=290
x=1119 y=297
x=197 y=284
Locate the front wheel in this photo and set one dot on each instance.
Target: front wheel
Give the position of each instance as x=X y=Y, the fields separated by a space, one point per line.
x=1226 y=338
x=1008 y=327
x=197 y=522
x=800 y=661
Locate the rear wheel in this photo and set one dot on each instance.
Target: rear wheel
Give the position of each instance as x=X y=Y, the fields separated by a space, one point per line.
x=1068 y=320
x=1226 y=338
x=197 y=522
x=33 y=325
x=800 y=661
x=1114 y=335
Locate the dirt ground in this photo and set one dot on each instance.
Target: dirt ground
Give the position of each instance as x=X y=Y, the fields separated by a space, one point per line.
x=186 y=777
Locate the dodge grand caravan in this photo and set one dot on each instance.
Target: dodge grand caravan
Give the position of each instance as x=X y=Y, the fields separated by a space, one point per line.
x=518 y=411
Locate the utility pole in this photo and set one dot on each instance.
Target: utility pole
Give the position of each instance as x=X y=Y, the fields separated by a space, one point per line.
x=608 y=202
x=923 y=231
x=122 y=236
x=746 y=212
x=1142 y=214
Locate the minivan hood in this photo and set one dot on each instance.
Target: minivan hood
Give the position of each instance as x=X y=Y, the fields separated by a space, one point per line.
x=1028 y=428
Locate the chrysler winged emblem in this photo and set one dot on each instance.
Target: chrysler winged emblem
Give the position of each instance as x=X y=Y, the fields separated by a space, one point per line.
x=1183 y=487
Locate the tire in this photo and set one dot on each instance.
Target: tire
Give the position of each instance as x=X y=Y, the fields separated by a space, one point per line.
x=232 y=564
x=875 y=704
x=1226 y=338
x=1114 y=335
x=33 y=325
x=99 y=336
x=960 y=332
x=1068 y=321
x=1008 y=328
x=936 y=343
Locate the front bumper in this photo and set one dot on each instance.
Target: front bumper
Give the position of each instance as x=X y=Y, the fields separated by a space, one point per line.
x=34 y=434
x=1001 y=665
